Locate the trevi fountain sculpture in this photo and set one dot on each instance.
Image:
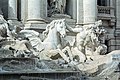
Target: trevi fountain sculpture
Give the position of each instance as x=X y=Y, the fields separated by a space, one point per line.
x=23 y=50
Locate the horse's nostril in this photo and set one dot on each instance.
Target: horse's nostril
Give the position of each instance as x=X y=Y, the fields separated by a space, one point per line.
x=62 y=36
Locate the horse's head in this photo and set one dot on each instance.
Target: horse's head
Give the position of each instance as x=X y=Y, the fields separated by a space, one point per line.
x=61 y=27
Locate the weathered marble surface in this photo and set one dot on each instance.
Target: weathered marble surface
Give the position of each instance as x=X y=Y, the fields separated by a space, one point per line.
x=54 y=52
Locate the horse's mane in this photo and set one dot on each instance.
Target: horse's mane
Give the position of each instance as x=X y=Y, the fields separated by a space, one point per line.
x=48 y=27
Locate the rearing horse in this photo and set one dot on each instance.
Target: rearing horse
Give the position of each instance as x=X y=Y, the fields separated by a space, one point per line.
x=53 y=34
x=55 y=31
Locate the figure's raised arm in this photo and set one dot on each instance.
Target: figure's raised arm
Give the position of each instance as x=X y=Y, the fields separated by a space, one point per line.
x=76 y=30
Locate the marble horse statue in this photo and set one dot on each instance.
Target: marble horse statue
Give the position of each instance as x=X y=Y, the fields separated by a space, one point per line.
x=52 y=36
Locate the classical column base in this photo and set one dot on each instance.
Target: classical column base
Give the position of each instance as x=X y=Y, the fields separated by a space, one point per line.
x=12 y=19
x=40 y=21
x=35 y=24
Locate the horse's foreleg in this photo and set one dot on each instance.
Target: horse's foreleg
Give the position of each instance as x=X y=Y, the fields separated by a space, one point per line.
x=29 y=46
x=69 y=52
x=85 y=54
x=64 y=56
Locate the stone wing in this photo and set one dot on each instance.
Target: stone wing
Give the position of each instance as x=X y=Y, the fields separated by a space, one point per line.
x=34 y=38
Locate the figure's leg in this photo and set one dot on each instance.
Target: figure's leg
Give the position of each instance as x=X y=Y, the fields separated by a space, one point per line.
x=60 y=52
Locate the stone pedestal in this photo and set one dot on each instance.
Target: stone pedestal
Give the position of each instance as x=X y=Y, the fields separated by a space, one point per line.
x=35 y=13
x=86 y=11
x=12 y=9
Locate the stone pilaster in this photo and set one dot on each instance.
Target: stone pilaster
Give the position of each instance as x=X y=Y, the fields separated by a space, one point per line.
x=74 y=9
x=86 y=11
x=80 y=14
x=23 y=11
x=112 y=12
x=12 y=9
x=117 y=13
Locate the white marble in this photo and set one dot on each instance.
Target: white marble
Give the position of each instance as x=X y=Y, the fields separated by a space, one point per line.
x=52 y=36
